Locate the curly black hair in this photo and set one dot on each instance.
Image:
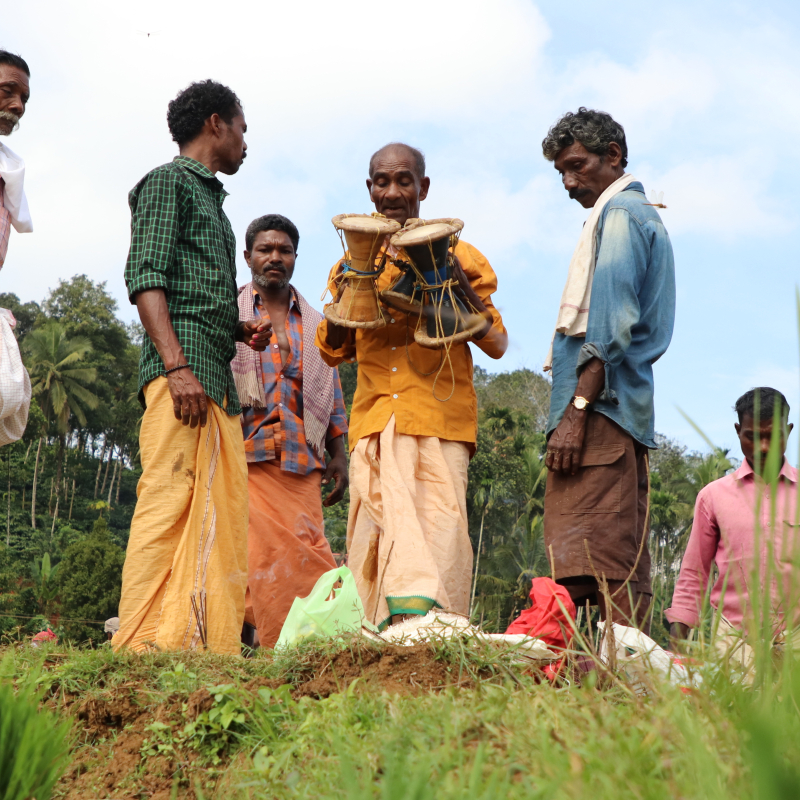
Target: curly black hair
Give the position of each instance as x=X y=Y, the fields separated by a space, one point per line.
x=271 y=222
x=595 y=130
x=188 y=112
x=13 y=60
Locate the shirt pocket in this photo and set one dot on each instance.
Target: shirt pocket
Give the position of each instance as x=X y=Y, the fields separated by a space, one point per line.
x=597 y=487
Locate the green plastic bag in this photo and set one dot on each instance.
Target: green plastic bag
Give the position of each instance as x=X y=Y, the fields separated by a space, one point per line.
x=332 y=608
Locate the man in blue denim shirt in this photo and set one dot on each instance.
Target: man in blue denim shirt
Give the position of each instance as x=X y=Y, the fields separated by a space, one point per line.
x=615 y=321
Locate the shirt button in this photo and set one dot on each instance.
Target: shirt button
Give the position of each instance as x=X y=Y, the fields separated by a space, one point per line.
x=392 y=319
x=352 y=359
x=280 y=405
x=394 y=348
x=395 y=396
x=394 y=369
x=275 y=346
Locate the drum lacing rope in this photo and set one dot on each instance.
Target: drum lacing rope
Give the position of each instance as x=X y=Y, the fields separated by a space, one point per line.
x=355 y=275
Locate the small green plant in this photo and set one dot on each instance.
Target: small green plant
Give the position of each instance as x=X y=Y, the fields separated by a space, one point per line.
x=178 y=680
x=212 y=734
x=34 y=747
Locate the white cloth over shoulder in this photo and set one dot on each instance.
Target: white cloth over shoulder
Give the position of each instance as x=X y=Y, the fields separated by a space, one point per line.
x=15 y=384
x=573 y=314
x=12 y=171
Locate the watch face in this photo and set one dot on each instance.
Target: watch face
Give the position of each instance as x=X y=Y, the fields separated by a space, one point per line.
x=580 y=403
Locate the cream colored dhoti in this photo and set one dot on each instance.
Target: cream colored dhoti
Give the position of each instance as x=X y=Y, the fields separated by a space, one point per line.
x=188 y=537
x=407 y=535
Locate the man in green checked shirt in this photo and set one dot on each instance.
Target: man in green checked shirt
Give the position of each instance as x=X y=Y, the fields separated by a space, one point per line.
x=185 y=574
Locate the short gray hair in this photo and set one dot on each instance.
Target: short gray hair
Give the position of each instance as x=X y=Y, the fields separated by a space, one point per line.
x=417 y=155
x=595 y=130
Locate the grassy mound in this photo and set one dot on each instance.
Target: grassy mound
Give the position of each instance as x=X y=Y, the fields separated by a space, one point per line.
x=443 y=720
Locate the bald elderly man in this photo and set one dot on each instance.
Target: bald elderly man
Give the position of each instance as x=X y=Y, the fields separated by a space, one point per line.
x=407 y=535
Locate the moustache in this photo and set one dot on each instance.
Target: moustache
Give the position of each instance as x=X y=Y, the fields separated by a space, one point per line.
x=574 y=194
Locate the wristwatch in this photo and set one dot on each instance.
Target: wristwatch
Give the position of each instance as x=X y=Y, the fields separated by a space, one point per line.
x=581 y=403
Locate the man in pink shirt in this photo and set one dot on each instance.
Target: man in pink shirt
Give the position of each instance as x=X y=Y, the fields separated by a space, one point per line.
x=737 y=514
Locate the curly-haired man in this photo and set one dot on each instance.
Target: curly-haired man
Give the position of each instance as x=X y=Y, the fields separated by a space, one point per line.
x=185 y=572
x=615 y=320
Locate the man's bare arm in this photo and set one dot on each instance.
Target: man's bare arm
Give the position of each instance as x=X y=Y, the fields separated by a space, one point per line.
x=566 y=442
x=188 y=397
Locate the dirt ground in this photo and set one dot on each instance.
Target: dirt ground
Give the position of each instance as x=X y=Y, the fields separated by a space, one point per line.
x=113 y=725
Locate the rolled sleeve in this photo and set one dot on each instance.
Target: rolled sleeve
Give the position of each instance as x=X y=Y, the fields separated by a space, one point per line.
x=483 y=280
x=338 y=424
x=333 y=356
x=690 y=590
x=154 y=234
x=618 y=277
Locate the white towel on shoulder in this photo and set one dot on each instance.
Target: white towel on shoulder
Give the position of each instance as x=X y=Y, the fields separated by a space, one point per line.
x=573 y=314
x=12 y=171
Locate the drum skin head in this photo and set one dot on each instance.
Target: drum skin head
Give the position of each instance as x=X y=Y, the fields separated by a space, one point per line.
x=365 y=223
x=422 y=231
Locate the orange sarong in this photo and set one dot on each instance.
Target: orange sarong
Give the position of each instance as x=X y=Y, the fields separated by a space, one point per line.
x=188 y=533
x=286 y=546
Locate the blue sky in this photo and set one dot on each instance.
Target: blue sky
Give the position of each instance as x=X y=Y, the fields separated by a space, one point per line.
x=709 y=94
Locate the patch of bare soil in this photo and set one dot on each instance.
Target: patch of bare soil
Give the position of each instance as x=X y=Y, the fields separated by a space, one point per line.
x=110 y=763
x=395 y=669
x=112 y=727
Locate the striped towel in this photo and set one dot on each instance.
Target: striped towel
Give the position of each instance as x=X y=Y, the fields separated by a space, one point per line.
x=317 y=375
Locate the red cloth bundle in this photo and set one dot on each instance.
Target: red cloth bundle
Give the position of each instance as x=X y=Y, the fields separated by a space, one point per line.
x=546 y=619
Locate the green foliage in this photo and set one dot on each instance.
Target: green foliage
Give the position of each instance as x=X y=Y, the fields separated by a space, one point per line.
x=212 y=733
x=79 y=451
x=26 y=314
x=89 y=581
x=34 y=747
x=56 y=376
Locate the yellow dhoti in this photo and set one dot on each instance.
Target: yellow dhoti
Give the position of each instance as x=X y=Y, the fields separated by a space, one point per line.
x=407 y=534
x=188 y=535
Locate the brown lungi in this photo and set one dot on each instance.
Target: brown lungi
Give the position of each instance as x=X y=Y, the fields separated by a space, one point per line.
x=602 y=508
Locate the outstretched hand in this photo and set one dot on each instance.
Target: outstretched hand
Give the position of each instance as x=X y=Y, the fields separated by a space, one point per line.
x=256 y=334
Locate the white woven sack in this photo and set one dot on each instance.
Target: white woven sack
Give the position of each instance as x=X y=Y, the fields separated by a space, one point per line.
x=15 y=384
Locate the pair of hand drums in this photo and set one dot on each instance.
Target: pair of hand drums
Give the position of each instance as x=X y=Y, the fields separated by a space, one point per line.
x=426 y=286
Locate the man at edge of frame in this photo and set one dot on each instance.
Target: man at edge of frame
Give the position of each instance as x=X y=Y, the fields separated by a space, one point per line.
x=615 y=320
x=407 y=538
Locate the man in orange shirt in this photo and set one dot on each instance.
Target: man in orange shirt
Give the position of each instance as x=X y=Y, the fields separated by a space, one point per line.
x=407 y=534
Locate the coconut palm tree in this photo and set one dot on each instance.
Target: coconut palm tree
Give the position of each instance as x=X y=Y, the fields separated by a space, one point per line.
x=59 y=381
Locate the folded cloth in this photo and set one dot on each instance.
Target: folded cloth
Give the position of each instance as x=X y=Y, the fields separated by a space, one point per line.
x=573 y=313
x=12 y=171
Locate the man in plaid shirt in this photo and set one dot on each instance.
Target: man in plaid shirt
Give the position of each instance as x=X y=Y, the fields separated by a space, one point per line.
x=185 y=574
x=293 y=411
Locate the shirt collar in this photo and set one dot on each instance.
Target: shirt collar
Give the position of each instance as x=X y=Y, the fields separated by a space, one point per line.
x=293 y=303
x=201 y=170
x=788 y=472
